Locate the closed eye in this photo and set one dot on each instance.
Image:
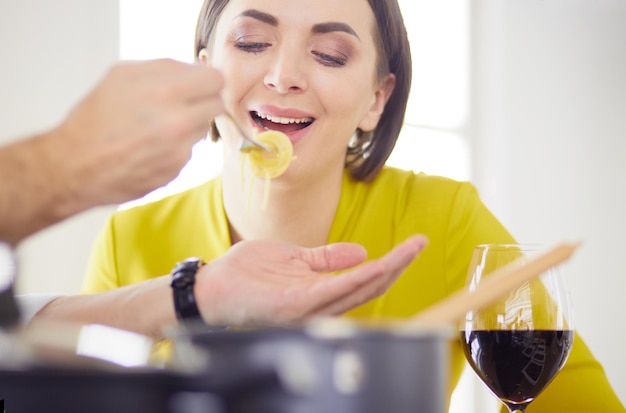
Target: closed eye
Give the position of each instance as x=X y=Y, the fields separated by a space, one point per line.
x=252 y=47
x=328 y=60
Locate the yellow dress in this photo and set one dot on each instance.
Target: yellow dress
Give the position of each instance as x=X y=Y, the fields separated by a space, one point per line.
x=146 y=241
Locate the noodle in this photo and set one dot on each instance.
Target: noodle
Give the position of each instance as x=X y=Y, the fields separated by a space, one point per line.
x=275 y=162
x=269 y=165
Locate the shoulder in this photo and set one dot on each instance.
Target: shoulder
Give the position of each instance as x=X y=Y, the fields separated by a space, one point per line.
x=407 y=201
x=185 y=204
x=140 y=242
x=411 y=187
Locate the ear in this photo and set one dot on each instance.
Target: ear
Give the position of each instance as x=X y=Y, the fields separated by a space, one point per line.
x=203 y=56
x=379 y=100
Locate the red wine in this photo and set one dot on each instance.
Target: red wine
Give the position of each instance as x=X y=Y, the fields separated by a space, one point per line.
x=517 y=365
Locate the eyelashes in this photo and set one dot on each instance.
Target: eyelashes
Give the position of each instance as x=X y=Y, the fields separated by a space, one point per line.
x=326 y=59
x=252 y=47
x=330 y=60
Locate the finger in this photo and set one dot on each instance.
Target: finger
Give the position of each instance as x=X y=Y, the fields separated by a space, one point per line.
x=188 y=124
x=404 y=253
x=200 y=112
x=361 y=295
x=338 y=290
x=333 y=257
x=200 y=82
x=397 y=259
x=386 y=271
x=178 y=82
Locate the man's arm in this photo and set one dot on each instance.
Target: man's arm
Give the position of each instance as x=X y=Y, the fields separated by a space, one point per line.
x=254 y=283
x=132 y=133
x=33 y=192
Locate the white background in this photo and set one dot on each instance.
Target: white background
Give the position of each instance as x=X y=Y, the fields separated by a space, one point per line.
x=544 y=125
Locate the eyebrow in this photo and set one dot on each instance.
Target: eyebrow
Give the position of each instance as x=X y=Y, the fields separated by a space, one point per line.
x=319 y=28
x=334 y=27
x=259 y=15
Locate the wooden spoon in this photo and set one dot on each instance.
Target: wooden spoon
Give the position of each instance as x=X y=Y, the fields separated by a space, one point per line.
x=498 y=284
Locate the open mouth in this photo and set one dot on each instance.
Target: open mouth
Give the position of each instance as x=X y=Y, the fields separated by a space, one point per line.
x=277 y=123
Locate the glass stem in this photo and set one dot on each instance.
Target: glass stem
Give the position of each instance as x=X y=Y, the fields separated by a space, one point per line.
x=517 y=408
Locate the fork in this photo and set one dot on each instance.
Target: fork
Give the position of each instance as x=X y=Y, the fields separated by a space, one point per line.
x=247 y=143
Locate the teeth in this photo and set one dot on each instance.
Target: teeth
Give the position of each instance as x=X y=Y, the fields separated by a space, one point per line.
x=281 y=120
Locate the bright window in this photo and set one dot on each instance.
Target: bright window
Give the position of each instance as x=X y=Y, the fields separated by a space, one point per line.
x=433 y=139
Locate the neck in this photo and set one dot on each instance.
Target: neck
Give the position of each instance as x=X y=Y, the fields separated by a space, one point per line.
x=298 y=212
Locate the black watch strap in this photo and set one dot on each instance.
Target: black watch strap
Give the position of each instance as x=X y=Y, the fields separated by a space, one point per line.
x=183 y=280
x=9 y=310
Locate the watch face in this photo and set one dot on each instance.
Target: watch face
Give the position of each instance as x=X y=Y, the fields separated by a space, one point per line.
x=183 y=279
x=7 y=266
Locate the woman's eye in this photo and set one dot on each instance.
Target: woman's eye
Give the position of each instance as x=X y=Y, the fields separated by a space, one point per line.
x=329 y=60
x=252 y=47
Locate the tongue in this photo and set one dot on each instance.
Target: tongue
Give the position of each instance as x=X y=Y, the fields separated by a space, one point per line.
x=281 y=127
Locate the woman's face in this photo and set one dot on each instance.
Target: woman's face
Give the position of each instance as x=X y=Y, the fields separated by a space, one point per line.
x=303 y=67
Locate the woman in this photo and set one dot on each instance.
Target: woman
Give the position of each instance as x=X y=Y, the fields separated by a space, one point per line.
x=334 y=76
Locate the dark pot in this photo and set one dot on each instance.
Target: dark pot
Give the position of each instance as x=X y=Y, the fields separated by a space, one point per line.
x=58 y=390
x=328 y=369
x=324 y=367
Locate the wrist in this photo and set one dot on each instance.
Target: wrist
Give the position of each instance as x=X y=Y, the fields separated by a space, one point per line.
x=183 y=291
x=71 y=189
x=208 y=300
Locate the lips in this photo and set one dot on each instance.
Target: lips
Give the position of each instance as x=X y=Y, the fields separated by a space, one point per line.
x=280 y=123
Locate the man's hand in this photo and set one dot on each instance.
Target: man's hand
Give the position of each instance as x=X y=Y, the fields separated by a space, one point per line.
x=273 y=283
x=259 y=283
x=131 y=134
x=135 y=130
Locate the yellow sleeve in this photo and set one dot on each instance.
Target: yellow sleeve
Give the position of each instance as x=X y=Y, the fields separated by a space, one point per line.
x=101 y=272
x=470 y=224
x=581 y=387
x=146 y=241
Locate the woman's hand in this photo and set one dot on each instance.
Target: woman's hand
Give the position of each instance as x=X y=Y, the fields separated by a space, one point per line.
x=273 y=282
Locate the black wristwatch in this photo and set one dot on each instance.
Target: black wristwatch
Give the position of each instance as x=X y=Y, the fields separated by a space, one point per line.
x=183 y=280
x=9 y=310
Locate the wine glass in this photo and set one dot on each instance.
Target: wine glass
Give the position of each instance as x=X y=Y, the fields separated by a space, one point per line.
x=518 y=344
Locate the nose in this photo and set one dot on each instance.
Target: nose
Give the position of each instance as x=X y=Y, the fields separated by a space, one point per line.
x=286 y=74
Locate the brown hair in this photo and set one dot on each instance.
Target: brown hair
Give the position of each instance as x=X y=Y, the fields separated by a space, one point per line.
x=372 y=149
